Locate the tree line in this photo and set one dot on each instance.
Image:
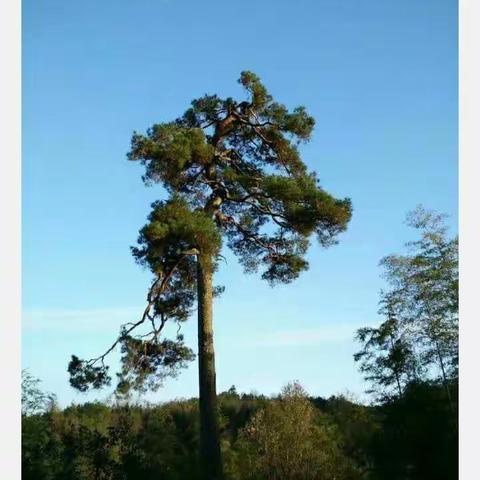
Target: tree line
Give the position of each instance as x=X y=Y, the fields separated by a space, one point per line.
x=291 y=437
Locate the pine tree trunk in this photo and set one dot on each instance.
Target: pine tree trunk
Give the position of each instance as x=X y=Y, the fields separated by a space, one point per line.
x=210 y=456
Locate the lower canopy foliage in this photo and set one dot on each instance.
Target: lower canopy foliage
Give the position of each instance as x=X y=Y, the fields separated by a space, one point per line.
x=167 y=246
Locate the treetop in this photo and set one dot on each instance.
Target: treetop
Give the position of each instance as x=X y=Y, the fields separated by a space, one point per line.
x=239 y=163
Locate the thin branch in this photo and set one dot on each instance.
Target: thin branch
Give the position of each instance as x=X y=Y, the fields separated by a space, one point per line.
x=154 y=293
x=248 y=234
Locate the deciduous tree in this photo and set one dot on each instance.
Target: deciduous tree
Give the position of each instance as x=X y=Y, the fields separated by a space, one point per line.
x=419 y=338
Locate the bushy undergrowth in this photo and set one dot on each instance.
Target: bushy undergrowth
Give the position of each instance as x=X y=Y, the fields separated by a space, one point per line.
x=288 y=437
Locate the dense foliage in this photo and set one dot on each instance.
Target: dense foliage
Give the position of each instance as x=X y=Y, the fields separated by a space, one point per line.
x=34 y=399
x=287 y=437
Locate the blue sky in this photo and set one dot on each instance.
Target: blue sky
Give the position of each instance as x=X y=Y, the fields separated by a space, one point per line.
x=380 y=78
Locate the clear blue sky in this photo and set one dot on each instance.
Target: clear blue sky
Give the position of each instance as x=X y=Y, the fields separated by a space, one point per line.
x=380 y=78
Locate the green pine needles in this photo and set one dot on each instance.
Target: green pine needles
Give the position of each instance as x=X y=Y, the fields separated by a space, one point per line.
x=233 y=172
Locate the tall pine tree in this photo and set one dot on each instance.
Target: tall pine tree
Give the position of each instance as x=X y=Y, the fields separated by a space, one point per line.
x=233 y=171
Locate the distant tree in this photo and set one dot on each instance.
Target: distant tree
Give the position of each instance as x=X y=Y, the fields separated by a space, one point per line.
x=232 y=170
x=387 y=358
x=290 y=440
x=232 y=391
x=427 y=280
x=34 y=400
x=419 y=339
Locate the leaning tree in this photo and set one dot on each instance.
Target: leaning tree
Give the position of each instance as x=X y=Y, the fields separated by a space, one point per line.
x=232 y=171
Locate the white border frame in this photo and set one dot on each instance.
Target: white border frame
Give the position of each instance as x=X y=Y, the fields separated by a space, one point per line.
x=469 y=170
x=10 y=183
x=10 y=266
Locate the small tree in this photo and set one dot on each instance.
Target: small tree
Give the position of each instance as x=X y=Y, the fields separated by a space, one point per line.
x=232 y=170
x=34 y=400
x=290 y=440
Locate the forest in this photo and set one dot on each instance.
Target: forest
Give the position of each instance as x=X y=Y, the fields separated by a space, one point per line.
x=292 y=436
x=232 y=172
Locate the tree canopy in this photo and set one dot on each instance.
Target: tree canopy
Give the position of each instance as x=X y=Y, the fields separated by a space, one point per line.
x=233 y=172
x=239 y=163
